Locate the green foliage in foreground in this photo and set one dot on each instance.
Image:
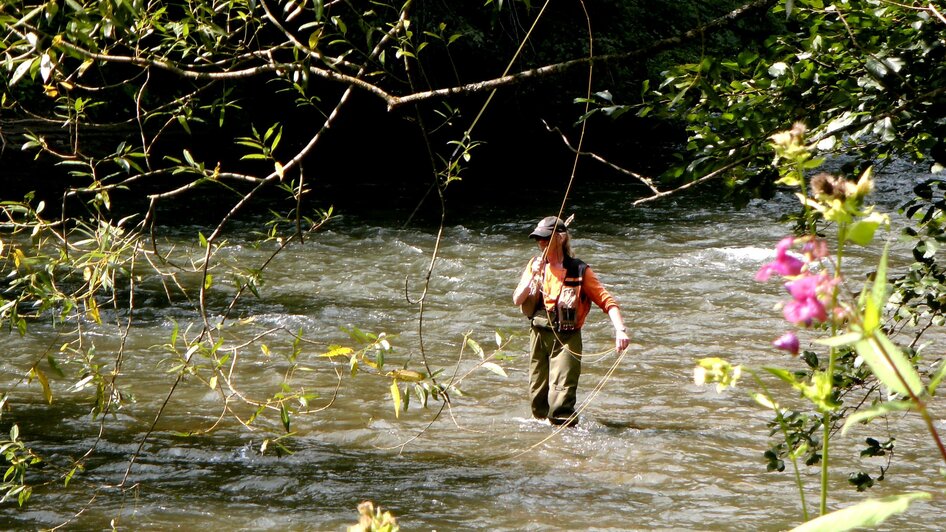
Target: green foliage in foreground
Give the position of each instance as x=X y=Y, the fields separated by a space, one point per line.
x=856 y=335
x=869 y=513
x=148 y=105
x=865 y=76
x=373 y=520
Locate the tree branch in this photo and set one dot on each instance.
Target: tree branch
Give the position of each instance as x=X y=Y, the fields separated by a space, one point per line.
x=394 y=102
x=707 y=177
x=642 y=178
x=243 y=73
x=548 y=70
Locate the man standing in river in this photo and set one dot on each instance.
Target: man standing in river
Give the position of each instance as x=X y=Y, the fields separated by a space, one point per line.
x=555 y=291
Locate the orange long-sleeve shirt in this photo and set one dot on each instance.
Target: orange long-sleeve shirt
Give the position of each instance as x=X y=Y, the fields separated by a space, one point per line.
x=591 y=290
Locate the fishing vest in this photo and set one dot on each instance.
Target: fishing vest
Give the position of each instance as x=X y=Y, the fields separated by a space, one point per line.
x=566 y=306
x=563 y=316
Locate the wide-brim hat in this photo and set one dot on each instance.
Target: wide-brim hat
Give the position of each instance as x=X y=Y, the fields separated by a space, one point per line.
x=547 y=226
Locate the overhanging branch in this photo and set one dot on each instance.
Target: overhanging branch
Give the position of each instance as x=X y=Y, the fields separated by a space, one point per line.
x=392 y=101
x=548 y=70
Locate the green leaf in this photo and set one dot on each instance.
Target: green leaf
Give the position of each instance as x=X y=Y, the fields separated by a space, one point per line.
x=879 y=292
x=174 y=334
x=871 y=318
x=314 y=39
x=937 y=378
x=408 y=375
x=358 y=335
x=862 y=232
x=44 y=382
x=495 y=368
x=840 y=341
x=340 y=24
x=182 y=120
x=55 y=365
x=284 y=416
x=21 y=70
x=260 y=410
x=869 y=513
x=475 y=347
x=783 y=374
x=337 y=351
x=247 y=141
x=876 y=411
x=765 y=400
x=778 y=69
x=887 y=361
x=875 y=301
x=24 y=495
x=396 y=397
x=69 y=476
x=844 y=120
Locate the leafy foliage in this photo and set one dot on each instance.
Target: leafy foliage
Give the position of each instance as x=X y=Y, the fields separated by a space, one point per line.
x=18 y=458
x=855 y=326
x=145 y=105
x=865 y=71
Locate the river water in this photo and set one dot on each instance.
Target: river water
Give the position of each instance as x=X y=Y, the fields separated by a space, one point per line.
x=652 y=451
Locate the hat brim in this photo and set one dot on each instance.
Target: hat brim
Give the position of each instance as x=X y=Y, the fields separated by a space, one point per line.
x=548 y=225
x=543 y=233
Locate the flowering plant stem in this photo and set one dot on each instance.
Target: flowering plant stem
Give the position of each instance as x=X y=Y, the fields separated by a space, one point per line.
x=791 y=453
x=832 y=357
x=804 y=264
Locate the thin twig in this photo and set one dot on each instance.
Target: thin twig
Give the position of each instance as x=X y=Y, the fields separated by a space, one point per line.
x=714 y=174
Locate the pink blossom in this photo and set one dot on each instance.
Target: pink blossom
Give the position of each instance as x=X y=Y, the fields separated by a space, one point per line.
x=810 y=292
x=815 y=249
x=784 y=264
x=807 y=293
x=787 y=342
x=807 y=287
x=805 y=311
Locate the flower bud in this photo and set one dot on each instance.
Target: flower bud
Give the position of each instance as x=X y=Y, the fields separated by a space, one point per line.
x=825 y=185
x=787 y=342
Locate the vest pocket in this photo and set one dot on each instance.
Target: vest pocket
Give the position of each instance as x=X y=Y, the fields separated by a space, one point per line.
x=566 y=309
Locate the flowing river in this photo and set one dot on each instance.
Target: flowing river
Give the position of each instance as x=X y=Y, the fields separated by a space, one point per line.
x=652 y=450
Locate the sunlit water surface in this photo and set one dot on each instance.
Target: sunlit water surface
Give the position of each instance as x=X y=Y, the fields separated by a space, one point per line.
x=652 y=450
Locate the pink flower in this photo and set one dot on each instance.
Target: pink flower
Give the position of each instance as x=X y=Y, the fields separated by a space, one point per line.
x=805 y=287
x=815 y=249
x=787 y=342
x=804 y=312
x=806 y=305
x=784 y=264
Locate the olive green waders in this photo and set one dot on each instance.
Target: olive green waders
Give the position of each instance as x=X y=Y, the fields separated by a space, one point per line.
x=554 y=369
